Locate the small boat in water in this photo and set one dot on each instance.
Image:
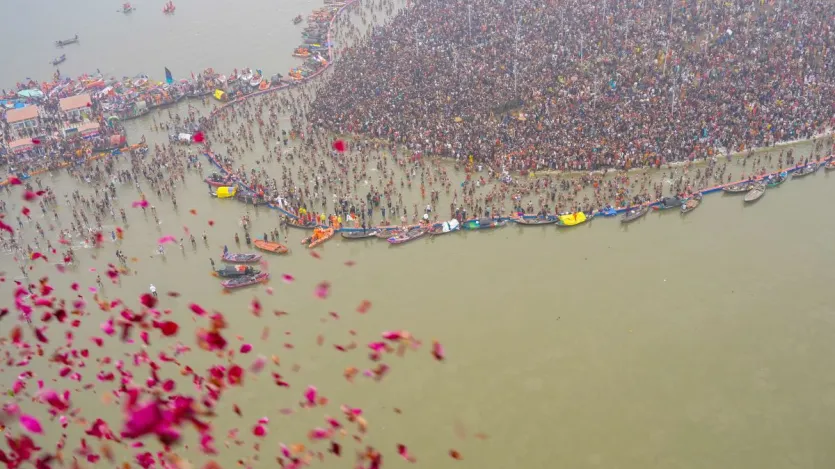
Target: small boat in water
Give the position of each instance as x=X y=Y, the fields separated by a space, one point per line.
x=483 y=224
x=830 y=166
x=739 y=187
x=169 y=8
x=269 y=246
x=218 y=180
x=669 y=202
x=806 y=170
x=59 y=60
x=127 y=8
x=691 y=204
x=445 y=227
x=634 y=213
x=775 y=180
x=298 y=19
x=319 y=236
x=360 y=234
x=67 y=42
x=239 y=258
x=245 y=281
x=537 y=221
x=236 y=271
x=308 y=225
x=411 y=235
x=573 y=219
x=755 y=193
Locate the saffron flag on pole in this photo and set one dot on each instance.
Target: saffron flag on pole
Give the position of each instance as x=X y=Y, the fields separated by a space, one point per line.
x=168 y=77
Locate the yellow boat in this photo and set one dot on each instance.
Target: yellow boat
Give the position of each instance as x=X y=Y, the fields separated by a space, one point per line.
x=226 y=192
x=572 y=219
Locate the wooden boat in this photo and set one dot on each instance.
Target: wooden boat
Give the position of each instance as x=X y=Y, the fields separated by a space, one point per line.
x=411 y=235
x=806 y=170
x=444 y=228
x=361 y=234
x=319 y=236
x=755 y=193
x=127 y=8
x=245 y=281
x=535 y=221
x=217 y=180
x=298 y=19
x=775 y=180
x=309 y=225
x=692 y=203
x=668 y=203
x=483 y=224
x=236 y=271
x=830 y=166
x=67 y=42
x=59 y=60
x=169 y=8
x=239 y=258
x=573 y=219
x=634 y=213
x=269 y=246
x=388 y=233
x=739 y=187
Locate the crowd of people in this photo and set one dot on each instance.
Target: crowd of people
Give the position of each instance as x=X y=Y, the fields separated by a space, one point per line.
x=572 y=85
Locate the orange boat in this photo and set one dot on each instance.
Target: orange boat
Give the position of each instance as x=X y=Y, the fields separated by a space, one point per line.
x=276 y=248
x=319 y=236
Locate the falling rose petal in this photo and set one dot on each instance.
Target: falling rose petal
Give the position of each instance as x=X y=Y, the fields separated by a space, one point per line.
x=169 y=328
x=29 y=196
x=139 y=203
x=148 y=300
x=192 y=211
x=15 y=181
x=438 y=351
x=30 y=424
x=246 y=348
x=350 y=263
x=197 y=309
x=258 y=365
x=335 y=449
x=198 y=137
x=315 y=255
x=404 y=453
x=310 y=395
x=455 y=455
x=36 y=141
x=260 y=431
x=211 y=223
x=167 y=239
x=364 y=307
x=339 y=145
x=322 y=290
x=287 y=278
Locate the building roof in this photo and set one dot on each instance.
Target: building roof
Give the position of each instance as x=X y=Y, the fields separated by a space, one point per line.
x=21 y=114
x=87 y=127
x=75 y=102
x=13 y=145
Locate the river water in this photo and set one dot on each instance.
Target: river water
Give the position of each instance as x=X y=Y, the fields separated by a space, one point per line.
x=674 y=342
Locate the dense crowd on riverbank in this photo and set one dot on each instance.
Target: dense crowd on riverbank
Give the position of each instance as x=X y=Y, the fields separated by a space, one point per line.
x=611 y=84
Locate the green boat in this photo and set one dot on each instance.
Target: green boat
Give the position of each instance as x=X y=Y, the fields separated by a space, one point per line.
x=776 y=179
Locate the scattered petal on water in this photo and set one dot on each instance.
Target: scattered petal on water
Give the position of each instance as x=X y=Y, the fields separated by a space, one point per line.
x=287 y=278
x=30 y=424
x=364 y=307
x=404 y=453
x=455 y=455
x=322 y=290
x=438 y=351
x=315 y=255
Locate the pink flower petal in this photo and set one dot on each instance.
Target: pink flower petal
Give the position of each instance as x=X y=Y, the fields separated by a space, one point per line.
x=30 y=424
